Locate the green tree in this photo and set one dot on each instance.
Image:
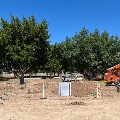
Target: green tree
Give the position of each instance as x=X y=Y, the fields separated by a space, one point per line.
x=25 y=43
x=67 y=55
x=81 y=50
x=110 y=49
x=94 y=52
x=53 y=65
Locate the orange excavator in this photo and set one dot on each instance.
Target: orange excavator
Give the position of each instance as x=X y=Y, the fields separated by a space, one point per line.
x=113 y=75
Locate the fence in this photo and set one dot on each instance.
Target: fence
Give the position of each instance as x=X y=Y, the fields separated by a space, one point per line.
x=51 y=89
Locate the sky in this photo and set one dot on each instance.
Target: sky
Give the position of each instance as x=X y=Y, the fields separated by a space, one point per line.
x=66 y=17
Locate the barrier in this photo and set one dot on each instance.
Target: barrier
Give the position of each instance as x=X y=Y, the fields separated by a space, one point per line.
x=49 y=88
x=98 y=91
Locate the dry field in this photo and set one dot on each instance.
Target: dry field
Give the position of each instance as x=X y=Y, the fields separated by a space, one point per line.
x=26 y=103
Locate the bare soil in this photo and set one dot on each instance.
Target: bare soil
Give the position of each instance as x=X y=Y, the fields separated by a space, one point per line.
x=25 y=102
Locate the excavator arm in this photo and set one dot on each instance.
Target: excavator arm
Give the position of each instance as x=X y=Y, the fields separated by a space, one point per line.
x=114 y=67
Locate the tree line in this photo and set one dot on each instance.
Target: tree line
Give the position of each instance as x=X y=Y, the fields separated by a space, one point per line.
x=25 y=48
x=86 y=52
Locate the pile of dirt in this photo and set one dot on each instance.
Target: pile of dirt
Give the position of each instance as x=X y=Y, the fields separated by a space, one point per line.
x=83 y=88
x=77 y=103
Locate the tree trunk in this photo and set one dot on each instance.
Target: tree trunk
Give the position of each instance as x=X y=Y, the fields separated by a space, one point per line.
x=22 y=78
x=58 y=74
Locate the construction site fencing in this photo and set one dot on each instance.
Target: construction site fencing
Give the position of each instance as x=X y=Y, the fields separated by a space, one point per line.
x=51 y=89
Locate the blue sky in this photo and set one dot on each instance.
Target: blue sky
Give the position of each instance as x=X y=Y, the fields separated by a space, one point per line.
x=65 y=17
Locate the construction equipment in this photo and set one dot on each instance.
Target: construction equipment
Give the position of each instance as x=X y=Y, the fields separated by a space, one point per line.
x=113 y=75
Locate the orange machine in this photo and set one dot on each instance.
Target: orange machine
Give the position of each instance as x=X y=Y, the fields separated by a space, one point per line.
x=112 y=74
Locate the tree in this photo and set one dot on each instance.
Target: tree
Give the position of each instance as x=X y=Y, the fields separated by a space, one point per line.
x=110 y=49
x=26 y=43
x=53 y=64
x=67 y=55
x=94 y=52
x=81 y=50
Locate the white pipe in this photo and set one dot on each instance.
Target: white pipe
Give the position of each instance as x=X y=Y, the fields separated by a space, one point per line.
x=43 y=90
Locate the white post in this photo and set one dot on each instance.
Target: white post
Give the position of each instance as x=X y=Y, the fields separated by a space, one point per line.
x=98 y=91
x=43 y=90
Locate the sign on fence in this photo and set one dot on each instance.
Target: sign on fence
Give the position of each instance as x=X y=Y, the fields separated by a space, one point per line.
x=64 y=89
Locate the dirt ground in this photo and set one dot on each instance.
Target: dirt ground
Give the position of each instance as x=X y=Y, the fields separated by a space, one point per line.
x=25 y=102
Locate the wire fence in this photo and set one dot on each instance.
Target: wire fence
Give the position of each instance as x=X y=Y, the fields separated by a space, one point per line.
x=51 y=89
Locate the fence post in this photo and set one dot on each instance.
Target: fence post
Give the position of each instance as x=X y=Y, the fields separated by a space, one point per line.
x=43 y=91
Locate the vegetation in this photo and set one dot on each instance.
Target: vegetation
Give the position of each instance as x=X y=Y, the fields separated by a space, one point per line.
x=24 y=48
x=89 y=53
x=24 y=45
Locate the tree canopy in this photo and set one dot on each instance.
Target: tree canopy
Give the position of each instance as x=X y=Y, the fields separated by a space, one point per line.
x=25 y=47
x=24 y=43
x=89 y=53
